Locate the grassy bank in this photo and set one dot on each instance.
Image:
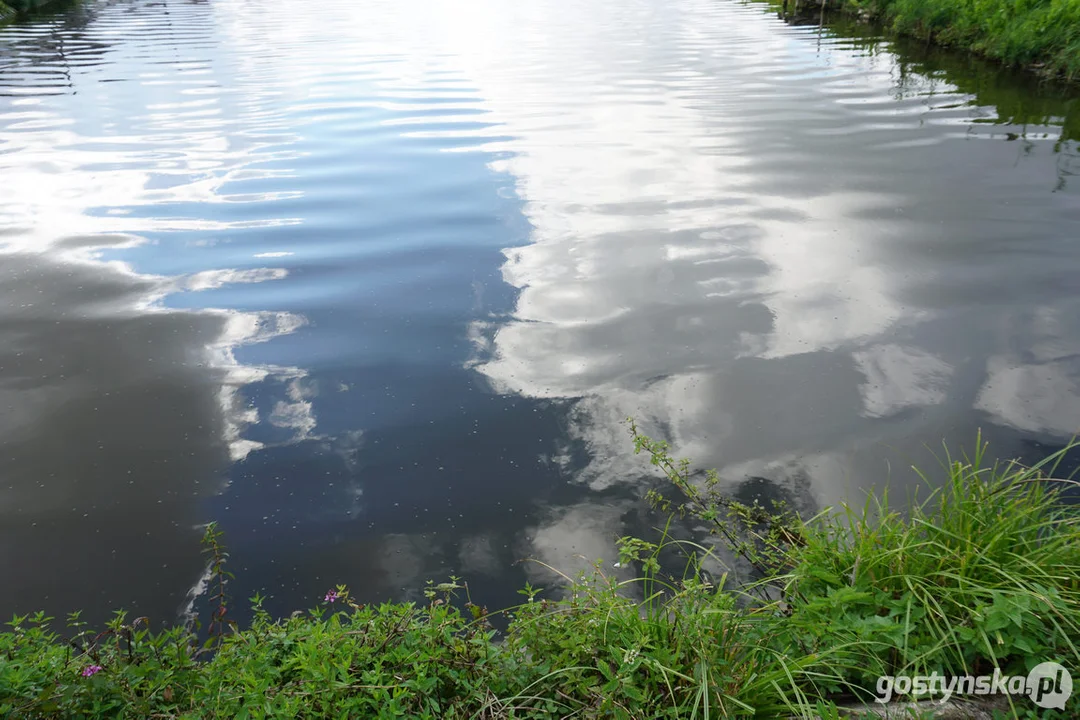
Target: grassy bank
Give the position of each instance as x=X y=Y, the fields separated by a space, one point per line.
x=983 y=573
x=27 y=5
x=1042 y=34
x=9 y=9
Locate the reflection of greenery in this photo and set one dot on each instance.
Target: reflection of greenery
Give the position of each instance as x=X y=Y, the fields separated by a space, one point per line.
x=1018 y=98
x=1013 y=93
x=17 y=6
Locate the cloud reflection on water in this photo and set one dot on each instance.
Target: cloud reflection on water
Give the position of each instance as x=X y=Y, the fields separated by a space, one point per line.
x=758 y=242
x=122 y=411
x=121 y=415
x=733 y=273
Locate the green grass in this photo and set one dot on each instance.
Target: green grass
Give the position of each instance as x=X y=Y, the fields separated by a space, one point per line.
x=10 y=8
x=1029 y=33
x=981 y=573
x=26 y=5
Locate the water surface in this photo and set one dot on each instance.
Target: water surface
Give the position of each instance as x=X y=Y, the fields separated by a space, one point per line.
x=373 y=284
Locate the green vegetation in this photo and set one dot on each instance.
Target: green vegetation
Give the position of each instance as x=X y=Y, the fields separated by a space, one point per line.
x=1029 y=33
x=26 y=5
x=983 y=572
x=1014 y=98
x=10 y=8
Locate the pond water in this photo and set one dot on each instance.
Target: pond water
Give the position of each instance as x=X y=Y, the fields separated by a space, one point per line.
x=374 y=283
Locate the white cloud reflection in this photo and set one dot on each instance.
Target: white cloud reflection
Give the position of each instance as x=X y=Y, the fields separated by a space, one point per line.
x=571 y=540
x=655 y=261
x=690 y=263
x=1038 y=390
x=899 y=377
x=76 y=197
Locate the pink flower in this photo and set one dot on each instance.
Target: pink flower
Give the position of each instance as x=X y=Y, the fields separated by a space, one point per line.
x=331 y=596
x=91 y=670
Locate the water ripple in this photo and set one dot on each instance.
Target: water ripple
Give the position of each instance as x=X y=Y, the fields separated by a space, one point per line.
x=371 y=281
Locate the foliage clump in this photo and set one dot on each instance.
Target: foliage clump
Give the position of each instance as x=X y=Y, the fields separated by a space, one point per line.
x=982 y=573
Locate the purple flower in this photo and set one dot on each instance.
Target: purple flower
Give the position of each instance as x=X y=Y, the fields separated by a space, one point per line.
x=331 y=596
x=91 y=670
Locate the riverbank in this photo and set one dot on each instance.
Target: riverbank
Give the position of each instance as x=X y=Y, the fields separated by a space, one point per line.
x=1038 y=34
x=982 y=574
x=10 y=9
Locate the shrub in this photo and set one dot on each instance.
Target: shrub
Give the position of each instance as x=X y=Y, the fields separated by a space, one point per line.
x=983 y=573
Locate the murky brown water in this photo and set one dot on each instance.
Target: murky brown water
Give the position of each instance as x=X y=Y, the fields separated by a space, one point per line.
x=373 y=283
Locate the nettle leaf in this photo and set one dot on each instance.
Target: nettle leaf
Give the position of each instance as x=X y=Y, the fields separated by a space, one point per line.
x=995 y=620
x=849 y=596
x=1027 y=644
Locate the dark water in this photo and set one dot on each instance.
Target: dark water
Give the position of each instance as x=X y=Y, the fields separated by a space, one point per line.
x=373 y=283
